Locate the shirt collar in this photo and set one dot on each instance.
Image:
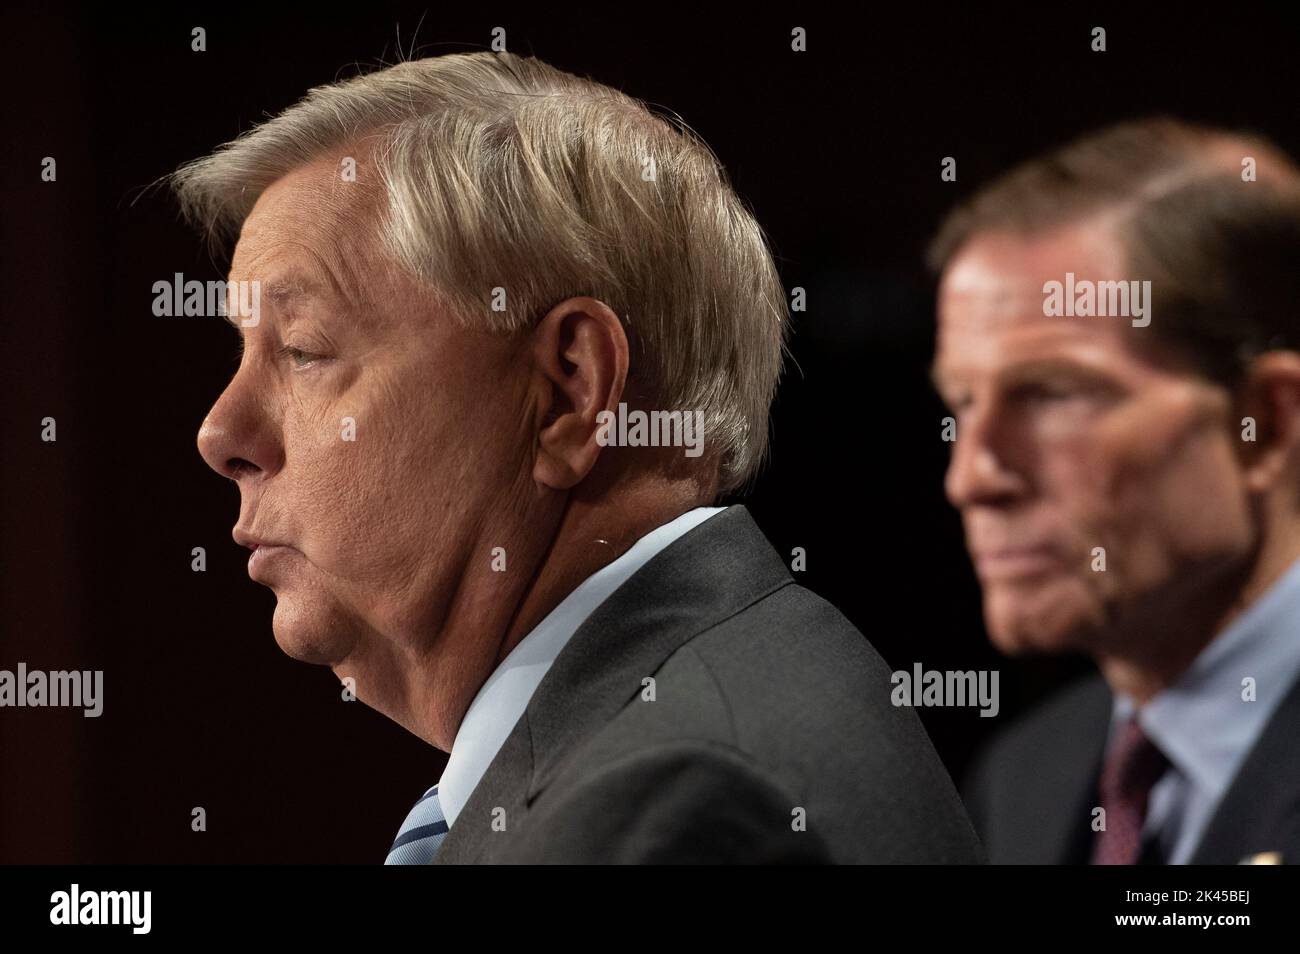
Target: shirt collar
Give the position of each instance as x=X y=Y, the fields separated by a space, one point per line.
x=503 y=697
x=1201 y=722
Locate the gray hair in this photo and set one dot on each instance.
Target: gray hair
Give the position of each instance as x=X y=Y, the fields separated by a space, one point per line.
x=503 y=171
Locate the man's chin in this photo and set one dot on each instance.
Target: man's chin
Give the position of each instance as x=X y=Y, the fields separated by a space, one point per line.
x=1048 y=619
x=308 y=635
x=1012 y=640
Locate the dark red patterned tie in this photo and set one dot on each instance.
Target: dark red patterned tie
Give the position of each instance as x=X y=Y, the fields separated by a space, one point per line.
x=1133 y=765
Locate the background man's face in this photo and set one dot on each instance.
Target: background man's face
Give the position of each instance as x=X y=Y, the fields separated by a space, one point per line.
x=375 y=530
x=1071 y=437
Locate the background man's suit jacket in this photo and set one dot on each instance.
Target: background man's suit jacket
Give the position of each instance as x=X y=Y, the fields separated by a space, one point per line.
x=767 y=700
x=1033 y=787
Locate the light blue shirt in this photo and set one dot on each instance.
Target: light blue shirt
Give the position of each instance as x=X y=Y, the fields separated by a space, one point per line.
x=504 y=696
x=1201 y=722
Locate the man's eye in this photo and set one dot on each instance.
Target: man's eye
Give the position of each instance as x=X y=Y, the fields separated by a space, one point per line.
x=300 y=358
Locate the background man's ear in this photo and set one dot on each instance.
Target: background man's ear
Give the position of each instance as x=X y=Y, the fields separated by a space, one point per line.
x=580 y=354
x=1271 y=396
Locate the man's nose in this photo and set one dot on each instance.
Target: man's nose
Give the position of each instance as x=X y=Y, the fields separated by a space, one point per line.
x=982 y=469
x=235 y=438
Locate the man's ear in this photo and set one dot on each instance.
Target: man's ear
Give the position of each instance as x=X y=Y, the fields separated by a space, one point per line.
x=580 y=353
x=1271 y=397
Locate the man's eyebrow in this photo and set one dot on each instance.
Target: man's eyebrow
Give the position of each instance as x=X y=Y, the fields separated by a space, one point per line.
x=285 y=290
x=281 y=292
x=1055 y=366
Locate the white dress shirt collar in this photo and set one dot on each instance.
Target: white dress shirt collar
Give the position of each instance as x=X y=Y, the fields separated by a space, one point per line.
x=504 y=696
x=1203 y=724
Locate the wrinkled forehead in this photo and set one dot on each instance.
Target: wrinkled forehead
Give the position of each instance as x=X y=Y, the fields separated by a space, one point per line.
x=318 y=213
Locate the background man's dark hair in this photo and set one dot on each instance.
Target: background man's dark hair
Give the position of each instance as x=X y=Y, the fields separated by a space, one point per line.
x=1222 y=253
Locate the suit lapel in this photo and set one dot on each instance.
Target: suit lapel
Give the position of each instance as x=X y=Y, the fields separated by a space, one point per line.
x=1260 y=812
x=1064 y=800
x=502 y=786
x=708 y=574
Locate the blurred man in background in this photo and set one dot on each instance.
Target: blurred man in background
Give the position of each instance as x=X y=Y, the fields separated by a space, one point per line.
x=1119 y=325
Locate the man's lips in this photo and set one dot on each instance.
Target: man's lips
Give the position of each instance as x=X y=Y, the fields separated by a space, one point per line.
x=1008 y=563
x=265 y=557
x=264 y=551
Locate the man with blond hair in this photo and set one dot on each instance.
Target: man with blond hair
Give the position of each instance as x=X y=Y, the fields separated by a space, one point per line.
x=470 y=267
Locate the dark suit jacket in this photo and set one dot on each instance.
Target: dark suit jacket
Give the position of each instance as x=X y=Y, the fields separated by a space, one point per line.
x=769 y=706
x=1032 y=788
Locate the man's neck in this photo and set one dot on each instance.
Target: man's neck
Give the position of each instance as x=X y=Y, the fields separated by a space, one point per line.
x=590 y=536
x=492 y=612
x=1147 y=655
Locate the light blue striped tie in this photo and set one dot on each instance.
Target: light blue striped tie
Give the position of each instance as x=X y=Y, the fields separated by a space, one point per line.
x=421 y=834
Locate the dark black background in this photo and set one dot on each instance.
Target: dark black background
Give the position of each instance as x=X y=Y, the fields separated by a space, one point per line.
x=838 y=152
